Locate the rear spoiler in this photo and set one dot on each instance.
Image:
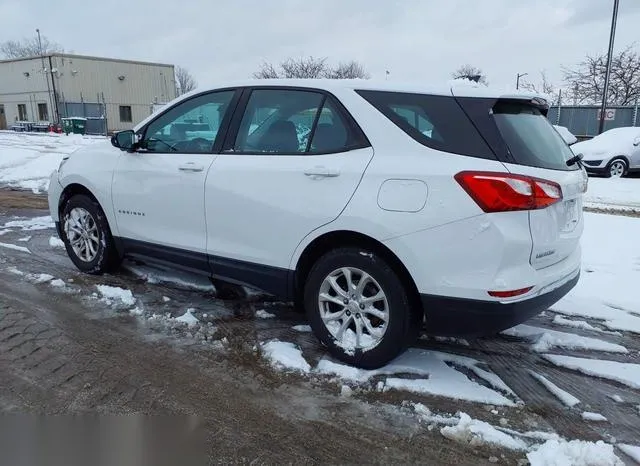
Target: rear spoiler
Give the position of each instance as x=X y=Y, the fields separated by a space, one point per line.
x=475 y=90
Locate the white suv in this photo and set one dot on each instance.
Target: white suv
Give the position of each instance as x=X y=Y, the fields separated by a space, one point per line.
x=376 y=207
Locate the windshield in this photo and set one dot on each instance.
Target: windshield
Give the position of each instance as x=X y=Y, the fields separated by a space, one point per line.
x=530 y=137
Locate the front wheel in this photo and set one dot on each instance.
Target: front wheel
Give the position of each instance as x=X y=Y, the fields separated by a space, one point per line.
x=617 y=168
x=358 y=307
x=87 y=236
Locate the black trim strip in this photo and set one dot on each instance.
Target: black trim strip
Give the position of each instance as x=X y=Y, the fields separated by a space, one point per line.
x=179 y=258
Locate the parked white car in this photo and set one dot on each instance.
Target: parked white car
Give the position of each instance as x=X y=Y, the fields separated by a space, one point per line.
x=614 y=153
x=374 y=206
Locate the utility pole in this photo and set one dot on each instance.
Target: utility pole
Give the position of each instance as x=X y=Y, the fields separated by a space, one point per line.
x=44 y=72
x=520 y=75
x=612 y=37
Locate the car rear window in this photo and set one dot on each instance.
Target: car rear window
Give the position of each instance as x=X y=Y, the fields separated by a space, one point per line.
x=435 y=121
x=530 y=137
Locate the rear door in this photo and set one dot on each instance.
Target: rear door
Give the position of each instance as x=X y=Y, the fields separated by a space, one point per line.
x=292 y=161
x=535 y=149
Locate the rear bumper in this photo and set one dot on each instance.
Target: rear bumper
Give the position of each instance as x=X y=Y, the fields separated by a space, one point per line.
x=472 y=318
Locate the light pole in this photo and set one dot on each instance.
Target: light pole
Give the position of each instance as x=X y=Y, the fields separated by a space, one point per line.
x=612 y=37
x=44 y=72
x=520 y=75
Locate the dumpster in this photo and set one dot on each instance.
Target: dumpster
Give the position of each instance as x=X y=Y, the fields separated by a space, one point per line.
x=75 y=125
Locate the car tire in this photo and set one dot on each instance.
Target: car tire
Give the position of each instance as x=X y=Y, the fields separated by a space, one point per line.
x=617 y=168
x=325 y=298
x=87 y=236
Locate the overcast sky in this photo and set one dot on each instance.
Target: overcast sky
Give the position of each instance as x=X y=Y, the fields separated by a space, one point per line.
x=413 y=39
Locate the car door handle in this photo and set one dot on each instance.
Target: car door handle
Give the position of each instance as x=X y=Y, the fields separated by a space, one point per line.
x=191 y=167
x=321 y=172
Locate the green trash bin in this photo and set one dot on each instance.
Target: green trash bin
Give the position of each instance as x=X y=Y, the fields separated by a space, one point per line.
x=75 y=125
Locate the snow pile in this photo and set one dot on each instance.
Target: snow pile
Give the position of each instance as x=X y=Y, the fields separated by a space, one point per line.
x=302 y=328
x=262 y=314
x=113 y=295
x=545 y=340
x=31 y=224
x=631 y=451
x=13 y=247
x=574 y=453
x=622 y=372
x=566 y=398
x=435 y=373
x=188 y=318
x=285 y=355
x=56 y=242
x=608 y=263
x=57 y=283
x=40 y=278
x=28 y=159
x=160 y=275
x=478 y=433
x=595 y=417
x=581 y=324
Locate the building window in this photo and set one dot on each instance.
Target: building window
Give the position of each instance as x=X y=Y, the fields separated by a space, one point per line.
x=125 y=114
x=43 y=115
x=22 y=112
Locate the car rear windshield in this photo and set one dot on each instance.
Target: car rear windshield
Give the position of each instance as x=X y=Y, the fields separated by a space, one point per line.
x=435 y=121
x=530 y=137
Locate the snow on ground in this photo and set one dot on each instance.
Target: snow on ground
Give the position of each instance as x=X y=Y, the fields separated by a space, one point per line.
x=302 y=328
x=31 y=224
x=613 y=193
x=112 y=295
x=478 y=433
x=575 y=452
x=188 y=318
x=594 y=417
x=607 y=290
x=159 y=275
x=544 y=340
x=56 y=242
x=436 y=376
x=14 y=247
x=28 y=159
x=566 y=398
x=581 y=324
x=262 y=314
x=285 y=355
x=631 y=451
x=624 y=372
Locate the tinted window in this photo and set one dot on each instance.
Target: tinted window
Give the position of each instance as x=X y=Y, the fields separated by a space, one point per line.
x=278 y=121
x=530 y=137
x=434 y=121
x=331 y=133
x=189 y=127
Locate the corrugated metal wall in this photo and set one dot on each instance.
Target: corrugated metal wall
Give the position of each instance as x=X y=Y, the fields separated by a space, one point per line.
x=584 y=120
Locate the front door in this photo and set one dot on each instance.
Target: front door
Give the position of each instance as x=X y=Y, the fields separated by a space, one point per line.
x=158 y=191
x=3 y=118
x=289 y=166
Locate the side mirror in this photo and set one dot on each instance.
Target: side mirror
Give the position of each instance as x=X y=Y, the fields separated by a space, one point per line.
x=636 y=141
x=124 y=140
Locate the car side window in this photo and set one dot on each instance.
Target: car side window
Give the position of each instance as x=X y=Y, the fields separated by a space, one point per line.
x=278 y=121
x=331 y=134
x=190 y=127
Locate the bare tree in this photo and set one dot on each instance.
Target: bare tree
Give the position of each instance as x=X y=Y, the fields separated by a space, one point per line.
x=311 y=68
x=185 y=80
x=348 y=70
x=471 y=73
x=585 y=81
x=28 y=47
x=544 y=87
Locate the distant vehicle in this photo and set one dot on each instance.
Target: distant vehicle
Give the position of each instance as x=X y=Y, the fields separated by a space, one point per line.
x=378 y=208
x=567 y=135
x=614 y=153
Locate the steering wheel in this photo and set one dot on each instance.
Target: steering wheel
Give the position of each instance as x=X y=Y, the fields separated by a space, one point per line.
x=200 y=145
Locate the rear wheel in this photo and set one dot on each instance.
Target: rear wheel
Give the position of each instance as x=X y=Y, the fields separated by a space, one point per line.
x=359 y=308
x=87 y=236
x=617 y=168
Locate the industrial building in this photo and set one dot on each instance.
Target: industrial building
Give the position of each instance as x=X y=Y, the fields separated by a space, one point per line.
x=112 y=94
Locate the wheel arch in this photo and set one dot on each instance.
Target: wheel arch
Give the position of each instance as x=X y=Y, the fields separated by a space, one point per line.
x=347 y=238
x=622 y=157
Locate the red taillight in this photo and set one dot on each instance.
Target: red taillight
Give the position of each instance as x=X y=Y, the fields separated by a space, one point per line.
x=502 y=192
x=510 y=294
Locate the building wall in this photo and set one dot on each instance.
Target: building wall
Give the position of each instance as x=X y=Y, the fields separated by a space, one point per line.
x=114 y=83
x=23 y=82
x=96 y=80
